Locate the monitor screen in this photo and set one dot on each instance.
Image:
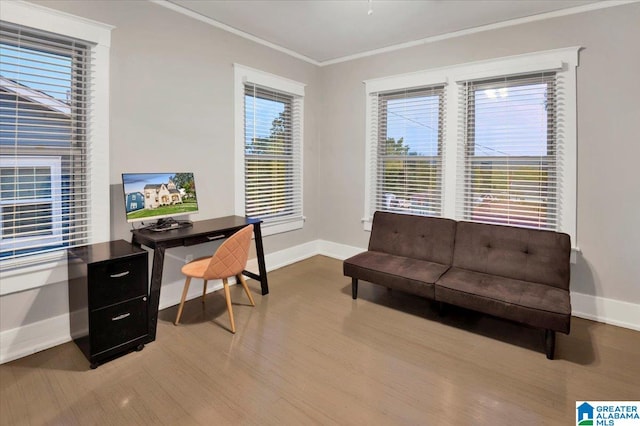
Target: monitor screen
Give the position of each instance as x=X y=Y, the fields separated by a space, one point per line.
x=150 y=196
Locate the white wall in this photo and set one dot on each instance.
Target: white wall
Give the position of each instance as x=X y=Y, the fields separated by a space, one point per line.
x=608 y=143
x=171 y=108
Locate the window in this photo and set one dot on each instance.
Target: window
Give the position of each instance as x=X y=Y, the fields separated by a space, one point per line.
x=505 y=147
x=510 y=151
x=407 y=155
x=270 y=185
x=53 y=130
x=271 y=144
x=44 y=82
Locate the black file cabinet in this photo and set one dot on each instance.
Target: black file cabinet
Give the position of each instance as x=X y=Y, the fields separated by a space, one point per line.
x=108 y=299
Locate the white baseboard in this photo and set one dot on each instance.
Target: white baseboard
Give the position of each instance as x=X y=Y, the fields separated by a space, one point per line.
x=35 y=337
x=608 y=311
x=31 y=338
x=290 y=255
x=338 y=251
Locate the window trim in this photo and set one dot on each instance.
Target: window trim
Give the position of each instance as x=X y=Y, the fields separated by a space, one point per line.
x=563 y=61
x=14 y=271
x=242 y=75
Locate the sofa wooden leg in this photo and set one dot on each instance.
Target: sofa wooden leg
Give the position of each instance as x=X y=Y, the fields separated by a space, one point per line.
x=550 y=343
x=354 y=288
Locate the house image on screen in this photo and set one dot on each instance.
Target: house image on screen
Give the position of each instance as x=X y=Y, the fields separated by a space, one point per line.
x=135 y=201
x=162 y=194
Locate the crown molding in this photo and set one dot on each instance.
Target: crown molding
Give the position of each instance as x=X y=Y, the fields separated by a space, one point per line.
x=195 y=15
x=512 y=22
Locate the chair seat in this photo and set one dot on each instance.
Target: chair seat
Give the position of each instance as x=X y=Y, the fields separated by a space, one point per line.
x=196 y=268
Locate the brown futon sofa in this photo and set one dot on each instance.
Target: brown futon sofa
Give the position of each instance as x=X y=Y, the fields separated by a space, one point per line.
x=513 y=273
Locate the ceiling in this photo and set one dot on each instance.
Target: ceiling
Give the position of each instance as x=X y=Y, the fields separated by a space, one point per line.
x=329 y=31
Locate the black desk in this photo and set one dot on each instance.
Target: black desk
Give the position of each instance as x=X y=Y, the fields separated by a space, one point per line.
x=201 y=232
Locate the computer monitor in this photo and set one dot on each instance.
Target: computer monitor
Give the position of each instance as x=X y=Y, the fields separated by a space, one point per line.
x=159 y=197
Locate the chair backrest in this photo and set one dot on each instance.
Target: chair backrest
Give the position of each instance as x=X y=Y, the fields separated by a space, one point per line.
x=231 y=257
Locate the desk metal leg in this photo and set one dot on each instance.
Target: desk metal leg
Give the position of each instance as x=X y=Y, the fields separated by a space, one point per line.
x=262 y=267
x=154 y=291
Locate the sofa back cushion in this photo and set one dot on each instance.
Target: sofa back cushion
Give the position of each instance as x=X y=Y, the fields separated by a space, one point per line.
x=519 y=253
x=416 y=237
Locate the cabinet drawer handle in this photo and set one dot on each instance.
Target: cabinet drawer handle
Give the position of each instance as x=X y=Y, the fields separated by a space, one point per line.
x=216 y=237
x=120 y=275
x=119 y=317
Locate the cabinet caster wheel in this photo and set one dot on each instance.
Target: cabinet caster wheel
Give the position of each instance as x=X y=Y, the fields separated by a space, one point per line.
x=140 y=347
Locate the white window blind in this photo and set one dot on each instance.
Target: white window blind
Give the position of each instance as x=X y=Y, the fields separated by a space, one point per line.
x=272 y=154
x=510 y=148
x=45 y=91
x=406 y=159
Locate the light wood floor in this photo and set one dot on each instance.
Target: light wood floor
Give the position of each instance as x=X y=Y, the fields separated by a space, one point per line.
x=309 y=354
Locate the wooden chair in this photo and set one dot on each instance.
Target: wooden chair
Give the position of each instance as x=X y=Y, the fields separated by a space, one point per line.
x=228 y=261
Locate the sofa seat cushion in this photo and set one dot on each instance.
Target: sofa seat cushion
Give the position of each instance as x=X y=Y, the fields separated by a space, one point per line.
x=402 y=273
x=538 y=305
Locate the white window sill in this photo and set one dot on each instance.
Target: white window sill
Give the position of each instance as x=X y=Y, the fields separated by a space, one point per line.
x=50 y=268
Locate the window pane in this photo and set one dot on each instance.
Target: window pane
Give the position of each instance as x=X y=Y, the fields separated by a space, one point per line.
x=413 y=125
x=25 y=183
x=48 y=72
x=270 y=160
x=35 y=97
x=409 y=165
x=512 y=194
x=268 y=187
x=511 y=161
x=26 y=220
x=266 y=128
x=511 y=121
